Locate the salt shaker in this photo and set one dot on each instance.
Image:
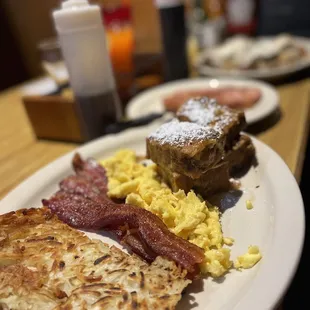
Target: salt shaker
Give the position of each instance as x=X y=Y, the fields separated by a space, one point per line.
x=82 y=39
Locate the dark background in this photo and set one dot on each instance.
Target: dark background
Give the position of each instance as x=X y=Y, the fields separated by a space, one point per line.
x=277 y=16
x=292 y=16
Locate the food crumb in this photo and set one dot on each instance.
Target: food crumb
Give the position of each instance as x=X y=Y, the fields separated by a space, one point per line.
x=228 y=241
x=249 y=259
x=249 y=204
x=236 y=184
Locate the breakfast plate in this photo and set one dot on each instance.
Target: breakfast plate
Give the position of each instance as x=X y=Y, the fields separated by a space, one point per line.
x=275 y=224
x=151 y=101
x=267 y=73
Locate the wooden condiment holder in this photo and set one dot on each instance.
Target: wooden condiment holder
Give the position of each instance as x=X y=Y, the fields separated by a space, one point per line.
x=54 y=117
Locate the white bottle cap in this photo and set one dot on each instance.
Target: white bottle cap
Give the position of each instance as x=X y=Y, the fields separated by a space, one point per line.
x=74 y=3
x=161 y=4
x=77 y=14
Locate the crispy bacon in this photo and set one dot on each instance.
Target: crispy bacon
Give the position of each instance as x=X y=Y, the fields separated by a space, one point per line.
x=82 y=202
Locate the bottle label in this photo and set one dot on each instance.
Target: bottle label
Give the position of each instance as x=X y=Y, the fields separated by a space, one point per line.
x=240 y=12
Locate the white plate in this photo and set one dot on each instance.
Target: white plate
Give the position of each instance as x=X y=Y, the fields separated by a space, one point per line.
x=276 y=224
x=41 y=86
x=151 y=101
x=264 y=74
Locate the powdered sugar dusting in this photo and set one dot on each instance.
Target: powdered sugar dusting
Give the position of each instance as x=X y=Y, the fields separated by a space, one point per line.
x=206 y=112
x=182 y=133
x=199 y=119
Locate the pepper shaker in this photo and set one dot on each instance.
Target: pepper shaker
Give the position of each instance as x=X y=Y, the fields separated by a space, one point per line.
x=174 y=38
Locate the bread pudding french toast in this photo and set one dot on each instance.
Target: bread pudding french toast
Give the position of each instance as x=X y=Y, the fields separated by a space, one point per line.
x=202 y=147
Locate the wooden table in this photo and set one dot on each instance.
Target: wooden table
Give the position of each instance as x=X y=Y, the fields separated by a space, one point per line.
x=21 y=154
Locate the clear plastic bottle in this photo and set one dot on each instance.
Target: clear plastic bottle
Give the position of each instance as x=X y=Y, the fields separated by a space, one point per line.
x=83 y=43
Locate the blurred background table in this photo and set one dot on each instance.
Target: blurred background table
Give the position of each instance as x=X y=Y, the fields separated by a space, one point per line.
x=22 y=154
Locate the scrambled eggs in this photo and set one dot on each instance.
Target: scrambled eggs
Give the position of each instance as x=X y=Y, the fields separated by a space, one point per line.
x=186 y=215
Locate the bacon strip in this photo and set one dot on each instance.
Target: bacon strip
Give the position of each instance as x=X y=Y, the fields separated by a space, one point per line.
x=82 y=202
x=80 y=184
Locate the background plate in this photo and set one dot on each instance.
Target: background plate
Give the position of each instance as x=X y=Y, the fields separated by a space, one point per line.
x=264 y=74
x=150 y=101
